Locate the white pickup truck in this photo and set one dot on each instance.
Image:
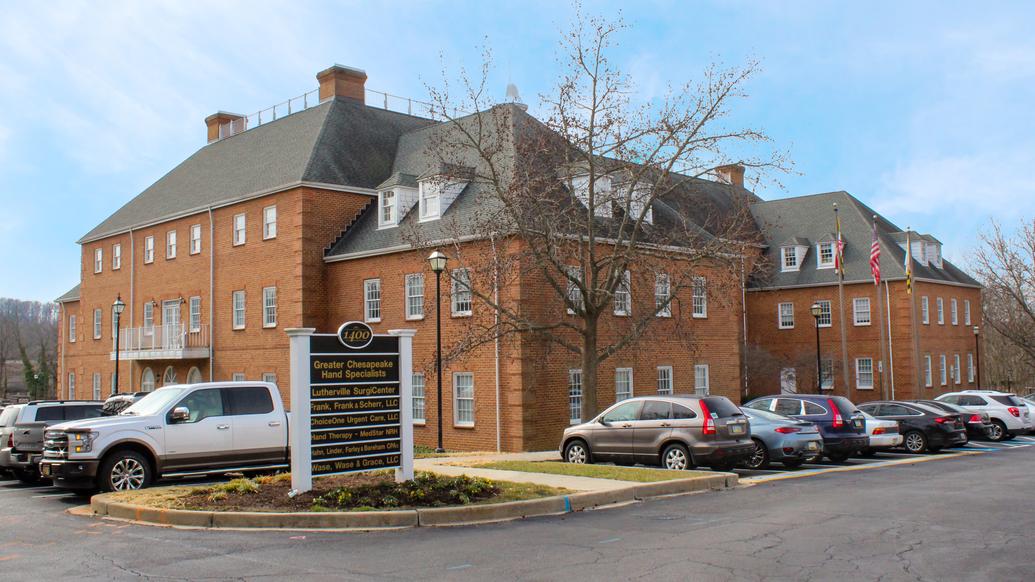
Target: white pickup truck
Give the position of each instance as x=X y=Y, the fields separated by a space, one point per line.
x=175 y=431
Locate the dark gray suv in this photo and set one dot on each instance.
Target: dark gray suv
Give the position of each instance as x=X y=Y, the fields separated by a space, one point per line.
x=677 y=432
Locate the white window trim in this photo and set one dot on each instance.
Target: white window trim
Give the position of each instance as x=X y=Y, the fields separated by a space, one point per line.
x=832 y=376
x=456 y=400
x=829 y=312
x=573 y=375
x=71 y=329
x=954 y=311
x=784 y=267
x=625 y=287
x=939 y=305
x=662 y=282
x=925 y=310
x=368 y=302
x=190 y=249
x=454 y=291
x=966 y=312
x=149 y=249
x=943 y=372
x=98 y=323
x=237 y=377
x=665 y=373
x=702 y=283
x=421 y=420
x=422 y=198
x=266 y=323
x=233 y=309
x=779 y=316
x=116 y=256
x=190 y=314
x=858 y=375
x=819 y=255
x=632 y=391
x=170 y=245
x=98 y=260
x=957 y=375
x=970 y=368
x=269 y=228
x=706 y=388
x=928 y=371
x=406 y=290
x=244 y=229
x=381 y=222
x=856 y=312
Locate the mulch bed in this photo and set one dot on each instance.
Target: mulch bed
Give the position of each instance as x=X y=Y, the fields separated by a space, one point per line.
x=274 y=496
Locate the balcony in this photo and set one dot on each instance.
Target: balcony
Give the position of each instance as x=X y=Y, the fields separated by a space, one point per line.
x=163 y=342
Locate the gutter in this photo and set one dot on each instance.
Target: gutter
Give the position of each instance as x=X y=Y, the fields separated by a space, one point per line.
x=211 y=296
x=132 y=300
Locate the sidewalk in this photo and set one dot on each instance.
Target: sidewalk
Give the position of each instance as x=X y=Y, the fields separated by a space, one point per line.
x=458 y=465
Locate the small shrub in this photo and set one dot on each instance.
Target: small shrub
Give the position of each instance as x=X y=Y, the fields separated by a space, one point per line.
x=425 y=490
x=242 y=486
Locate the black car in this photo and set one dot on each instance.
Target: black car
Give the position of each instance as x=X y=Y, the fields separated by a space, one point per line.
x=842 y=427
x=979 y=424
x=924 y=429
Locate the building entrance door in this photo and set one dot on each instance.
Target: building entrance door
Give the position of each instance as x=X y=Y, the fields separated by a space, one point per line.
x=172 y=336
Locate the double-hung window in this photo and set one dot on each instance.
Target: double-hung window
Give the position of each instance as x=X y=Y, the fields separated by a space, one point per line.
x=149 y=249
x=699 y=290
x=785 y=315
x=928 y=373
x=826 y=372
x=195 y=314
x=825 y=255
x=943 y=373
x=574 y=276
x=925 y=310
x=98 y=260
x=461 y=292
x=238 y=310
x=664 y=380
x=269 y=307
x=966 y=312
x=623 y=296
x=940 y=306
x=195 y=239
x=662 y=295
x=415 y=296
x=71 y=329
x=98 y=316
x=372 y=300
x=864 y=373
x=149 y=318
x=170 y=244
x=240 y=231
x=702 y=385
x=463 y=398
x=790 y=258
x=428 y=199
x=575 y=396
x=71 y=385
x=269 y=222
x=96 y=385
x=623 y=384
x=826 y=318
x=954 y=314
x=861 y=310
x=418 y=398
x=388 y=215
x=116 y=256
x=970 y=368
x=956 y=372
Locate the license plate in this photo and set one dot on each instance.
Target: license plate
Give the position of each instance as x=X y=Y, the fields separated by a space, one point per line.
x=736 y=429
x=45 y=469
x=858 y=423
x=812 y=446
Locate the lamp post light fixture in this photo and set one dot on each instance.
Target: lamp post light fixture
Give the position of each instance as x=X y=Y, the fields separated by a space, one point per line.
x=977 y=355
x=438 y=261
x=117 y=308
x=817 y=310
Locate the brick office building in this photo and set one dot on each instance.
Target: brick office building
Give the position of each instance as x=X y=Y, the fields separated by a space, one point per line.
x=324 y=216
x=928 y=336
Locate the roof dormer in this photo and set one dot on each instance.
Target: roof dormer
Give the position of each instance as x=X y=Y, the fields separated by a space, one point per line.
x=792 y=254
x=396 y=196
x=826 y=248
x=436 y=192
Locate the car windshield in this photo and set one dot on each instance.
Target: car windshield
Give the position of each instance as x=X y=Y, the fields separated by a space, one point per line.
x=154 y=402
x=766 y=415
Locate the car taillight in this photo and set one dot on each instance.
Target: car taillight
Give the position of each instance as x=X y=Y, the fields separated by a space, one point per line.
x=787 y=429
x=878 y=430
x=10 y=441
x=838 y=421
x=943 y=419
x=709 y=424
x=1014 y=411
x=975 y=418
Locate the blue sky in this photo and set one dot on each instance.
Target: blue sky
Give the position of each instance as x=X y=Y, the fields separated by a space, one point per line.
x=923 y=111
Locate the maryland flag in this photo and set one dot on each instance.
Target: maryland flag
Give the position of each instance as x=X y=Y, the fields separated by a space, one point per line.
x=839 y=246
x=909 y=265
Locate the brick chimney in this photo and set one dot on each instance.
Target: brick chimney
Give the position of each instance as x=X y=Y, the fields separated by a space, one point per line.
x=732 y=174
x=339 y=81
x=220 y=118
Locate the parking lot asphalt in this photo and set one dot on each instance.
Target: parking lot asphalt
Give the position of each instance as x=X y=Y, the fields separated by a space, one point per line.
x=956 y=517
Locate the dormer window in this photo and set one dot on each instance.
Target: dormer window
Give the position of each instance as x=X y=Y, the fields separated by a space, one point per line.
x=602 y=198
x=790 y=258
x=429 y=197
x=792 y=254
x=934 y=254
x=825 y=255
x=389 y=210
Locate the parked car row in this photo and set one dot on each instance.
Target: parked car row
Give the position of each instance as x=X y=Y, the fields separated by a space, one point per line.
x=682 y=432
x=132 y=440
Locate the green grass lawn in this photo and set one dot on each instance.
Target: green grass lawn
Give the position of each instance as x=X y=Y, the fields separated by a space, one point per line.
x=637 y=474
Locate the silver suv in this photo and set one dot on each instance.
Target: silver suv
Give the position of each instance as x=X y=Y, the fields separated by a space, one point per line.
x=677 y=432
x=1010 y=416
x=22 y=451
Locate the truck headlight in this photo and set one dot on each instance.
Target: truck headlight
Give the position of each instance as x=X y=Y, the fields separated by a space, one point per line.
x=81 y=442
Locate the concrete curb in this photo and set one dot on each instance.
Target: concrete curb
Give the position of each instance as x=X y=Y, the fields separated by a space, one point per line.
x=103 y=506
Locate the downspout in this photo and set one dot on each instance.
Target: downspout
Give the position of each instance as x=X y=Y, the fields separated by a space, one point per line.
x=744 y=328
x=132 y=300
x=891 y=348
x=496 y=299
x=64 y=348
x=211 y=296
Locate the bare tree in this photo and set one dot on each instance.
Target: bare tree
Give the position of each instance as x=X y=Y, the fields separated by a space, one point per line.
x=1005 y=264
x=30 y=327
x=599 y=196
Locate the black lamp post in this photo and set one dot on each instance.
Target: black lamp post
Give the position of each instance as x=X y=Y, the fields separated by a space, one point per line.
x=117 y=308
x=437 y=260
x=816 y=312
x=977 y=355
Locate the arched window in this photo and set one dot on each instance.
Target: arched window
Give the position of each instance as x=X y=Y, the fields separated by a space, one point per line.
x=169 y=377
x=147 y=381
x=194 y=376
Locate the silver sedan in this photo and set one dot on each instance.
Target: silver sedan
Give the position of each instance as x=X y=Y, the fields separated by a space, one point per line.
x=781 y=438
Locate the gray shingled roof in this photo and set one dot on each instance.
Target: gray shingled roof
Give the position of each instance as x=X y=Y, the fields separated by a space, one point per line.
x=339 y=142
x=812 y=217
x=69 y=296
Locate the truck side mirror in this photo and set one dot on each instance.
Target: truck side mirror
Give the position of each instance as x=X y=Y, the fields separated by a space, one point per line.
x=180 y=414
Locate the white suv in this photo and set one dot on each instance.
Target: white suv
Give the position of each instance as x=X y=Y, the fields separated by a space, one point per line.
x=1009 y=414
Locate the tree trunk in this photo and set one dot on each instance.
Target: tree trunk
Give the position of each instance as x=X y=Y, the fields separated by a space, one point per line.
x=590 y=362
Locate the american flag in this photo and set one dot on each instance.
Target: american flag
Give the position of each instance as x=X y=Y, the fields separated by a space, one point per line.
x=839 y=249
x=875 y=255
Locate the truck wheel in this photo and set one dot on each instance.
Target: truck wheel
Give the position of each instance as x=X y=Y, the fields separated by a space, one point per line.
x=29 y=477
x=124 y=471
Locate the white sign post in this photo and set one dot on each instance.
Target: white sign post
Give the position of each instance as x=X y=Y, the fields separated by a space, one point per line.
x=351 y=402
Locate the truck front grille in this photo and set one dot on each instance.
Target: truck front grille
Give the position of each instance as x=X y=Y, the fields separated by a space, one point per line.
x=55 y=445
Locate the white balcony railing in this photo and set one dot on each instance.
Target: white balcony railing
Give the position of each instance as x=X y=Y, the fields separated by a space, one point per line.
x=171 y=341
